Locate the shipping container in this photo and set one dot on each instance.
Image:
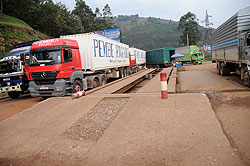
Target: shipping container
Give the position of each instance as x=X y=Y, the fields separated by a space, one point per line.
x=160 y=57
x=98 y=52
x=140 y=55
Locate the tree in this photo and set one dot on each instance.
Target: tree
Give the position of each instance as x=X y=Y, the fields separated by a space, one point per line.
x=104 y=20
x=98 y=13
x=86 y=15
x=188 y=23
x=107 y=11
x=1 y=10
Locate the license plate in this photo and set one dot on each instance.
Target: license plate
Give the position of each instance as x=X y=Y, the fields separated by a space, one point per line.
x=44 y=87
x=6 y=79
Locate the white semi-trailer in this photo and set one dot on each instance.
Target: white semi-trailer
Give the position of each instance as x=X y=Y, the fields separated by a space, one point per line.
x=231 y=45
x=137 y=59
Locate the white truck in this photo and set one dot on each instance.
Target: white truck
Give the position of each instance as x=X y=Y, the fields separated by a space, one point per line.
x=231 y=46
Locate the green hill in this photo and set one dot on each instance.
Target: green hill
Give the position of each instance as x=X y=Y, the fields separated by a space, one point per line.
x=13 y=30
x=148 y=33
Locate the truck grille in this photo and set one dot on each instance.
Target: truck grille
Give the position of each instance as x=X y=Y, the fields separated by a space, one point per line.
x=11 y=80
x=45 y=78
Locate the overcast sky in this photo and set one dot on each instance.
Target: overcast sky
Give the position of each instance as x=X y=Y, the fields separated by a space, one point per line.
x=220 y=10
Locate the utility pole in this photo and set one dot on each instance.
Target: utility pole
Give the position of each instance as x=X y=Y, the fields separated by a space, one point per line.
x=187 y=40
x=1 y=9
x=207 y=35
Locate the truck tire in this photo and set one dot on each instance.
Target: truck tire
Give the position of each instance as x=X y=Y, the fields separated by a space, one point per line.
x=96 y=83
x=14 y=95
x=121 y=73
x=219 y=68
x=77 y=86
x=104 y=80
x=246 y=78
x=223 y=69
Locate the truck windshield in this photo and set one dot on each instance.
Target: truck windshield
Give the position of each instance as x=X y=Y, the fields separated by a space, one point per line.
x=200 y=54
x=45 y=58
x=10 y=66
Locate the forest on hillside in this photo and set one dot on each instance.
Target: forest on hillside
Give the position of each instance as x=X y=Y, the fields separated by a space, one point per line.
x=55 y=19
x=151 y=33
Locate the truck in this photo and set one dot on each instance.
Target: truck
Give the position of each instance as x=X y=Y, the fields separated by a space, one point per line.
x=231 y=46
x=191 y=54
x=159 y=57
x=65 y=65
x=137 y=58
x=12 y=78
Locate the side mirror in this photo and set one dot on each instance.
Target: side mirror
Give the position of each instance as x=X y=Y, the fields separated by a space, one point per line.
x=26 y=58
x=22 y=57
x=70 y=54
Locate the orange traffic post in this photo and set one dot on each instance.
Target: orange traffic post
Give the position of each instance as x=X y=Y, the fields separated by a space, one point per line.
x=164 y=86
x=78 y=94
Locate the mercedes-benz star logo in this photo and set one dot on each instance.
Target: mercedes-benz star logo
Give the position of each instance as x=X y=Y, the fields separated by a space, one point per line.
x=43 y=75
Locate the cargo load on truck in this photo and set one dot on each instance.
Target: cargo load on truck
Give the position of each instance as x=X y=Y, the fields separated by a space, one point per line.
x=98 y=52
x=231 y=45
x=137 y=59
x=159 y=57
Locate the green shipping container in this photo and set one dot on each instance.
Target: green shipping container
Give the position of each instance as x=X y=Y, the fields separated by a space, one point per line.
x=160 y=56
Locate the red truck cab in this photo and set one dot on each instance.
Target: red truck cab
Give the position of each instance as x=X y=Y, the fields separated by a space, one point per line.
x=53 y=66
x=132 y=59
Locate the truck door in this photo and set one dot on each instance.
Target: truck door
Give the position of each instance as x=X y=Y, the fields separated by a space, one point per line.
x=247 y=47
x=67 y=65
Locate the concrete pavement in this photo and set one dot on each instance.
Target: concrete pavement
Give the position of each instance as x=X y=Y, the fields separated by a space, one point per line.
x=182 y=130
x=151 y=131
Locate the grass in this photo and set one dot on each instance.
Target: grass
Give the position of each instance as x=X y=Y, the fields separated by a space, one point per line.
x=13 y=31
x=12 y=21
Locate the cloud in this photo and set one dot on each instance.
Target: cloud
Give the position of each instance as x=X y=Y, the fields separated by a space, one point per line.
x=220 y=10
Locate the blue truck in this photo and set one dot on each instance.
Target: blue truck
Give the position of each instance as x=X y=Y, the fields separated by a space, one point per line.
x=12 y=77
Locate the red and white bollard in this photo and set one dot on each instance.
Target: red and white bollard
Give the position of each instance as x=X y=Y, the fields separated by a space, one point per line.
x=78 y=94
x=174 y=64
x=164 y=86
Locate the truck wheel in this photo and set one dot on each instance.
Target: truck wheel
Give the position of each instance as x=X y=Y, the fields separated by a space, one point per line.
x=96 y=83
x=223 y=69
x=77 y=86
x=121 y=73
x=246 y=78
x=14 y=95
x=125 y=73
x=219 y=68
x=104 y=80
